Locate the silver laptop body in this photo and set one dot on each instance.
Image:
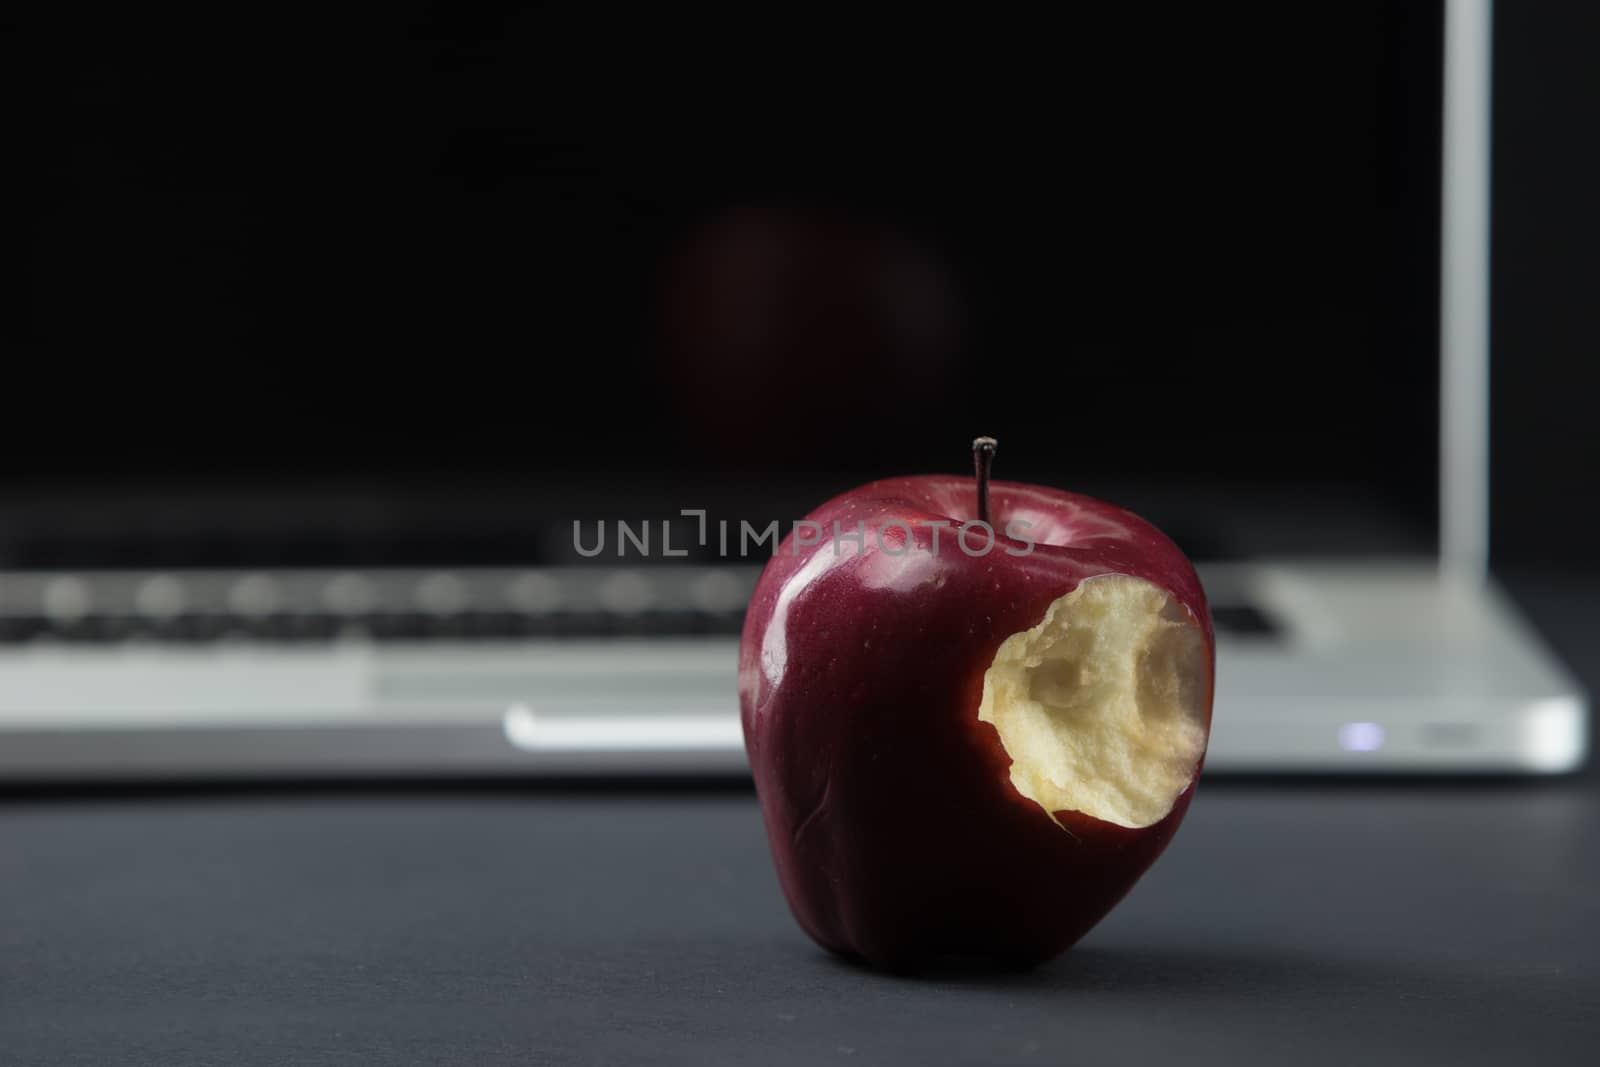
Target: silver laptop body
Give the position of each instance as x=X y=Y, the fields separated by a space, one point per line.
x=1401 y=665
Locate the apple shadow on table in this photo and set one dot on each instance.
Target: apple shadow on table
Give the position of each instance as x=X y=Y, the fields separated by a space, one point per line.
x=1233 y=975
x=1350 y=1001
x=1210 y=969
x=1255 y=970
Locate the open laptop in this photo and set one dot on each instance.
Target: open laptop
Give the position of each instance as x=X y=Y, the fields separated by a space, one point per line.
x=320 y=408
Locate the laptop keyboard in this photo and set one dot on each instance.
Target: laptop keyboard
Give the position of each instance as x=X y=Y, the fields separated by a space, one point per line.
x=307 y=607
x=385 y=606
x=387 y=626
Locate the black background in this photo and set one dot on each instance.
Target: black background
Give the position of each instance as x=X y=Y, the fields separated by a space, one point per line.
x=1546 y=307
x=417 y=245
x=421 y=247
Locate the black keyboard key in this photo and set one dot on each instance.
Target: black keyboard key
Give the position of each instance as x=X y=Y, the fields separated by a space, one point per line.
x=396 y=625
x=88 y=629
x=1245 y=620
x=492 y=625
x=16 y=629
x=721 y=623
x=586 y=624
x=190 y=629
x=85 y=629
x=289 y=627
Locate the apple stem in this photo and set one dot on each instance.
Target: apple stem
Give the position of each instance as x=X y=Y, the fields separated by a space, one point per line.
x=983 y=449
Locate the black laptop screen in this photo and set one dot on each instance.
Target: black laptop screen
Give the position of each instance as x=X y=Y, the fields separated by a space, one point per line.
x=422 y=248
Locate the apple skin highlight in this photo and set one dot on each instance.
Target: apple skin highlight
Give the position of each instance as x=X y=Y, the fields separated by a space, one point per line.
x=897 y=834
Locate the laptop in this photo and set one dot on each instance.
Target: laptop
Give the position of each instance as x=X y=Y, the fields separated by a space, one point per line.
x=422 y=414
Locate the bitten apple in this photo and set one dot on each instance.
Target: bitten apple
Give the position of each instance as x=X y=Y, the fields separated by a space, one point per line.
x=965 y=744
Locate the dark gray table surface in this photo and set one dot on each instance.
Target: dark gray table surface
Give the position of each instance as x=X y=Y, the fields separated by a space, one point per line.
x=1290 y=922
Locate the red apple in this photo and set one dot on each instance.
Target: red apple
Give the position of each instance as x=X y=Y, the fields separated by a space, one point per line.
x=970 y=753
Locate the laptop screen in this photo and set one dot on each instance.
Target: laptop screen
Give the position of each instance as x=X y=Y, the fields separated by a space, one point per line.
x=397 y=287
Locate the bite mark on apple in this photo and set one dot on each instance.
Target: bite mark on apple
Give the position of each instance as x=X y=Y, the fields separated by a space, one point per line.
x=1102 y=705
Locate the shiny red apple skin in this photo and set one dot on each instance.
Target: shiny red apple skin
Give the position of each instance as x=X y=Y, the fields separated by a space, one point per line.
x=897 y=835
